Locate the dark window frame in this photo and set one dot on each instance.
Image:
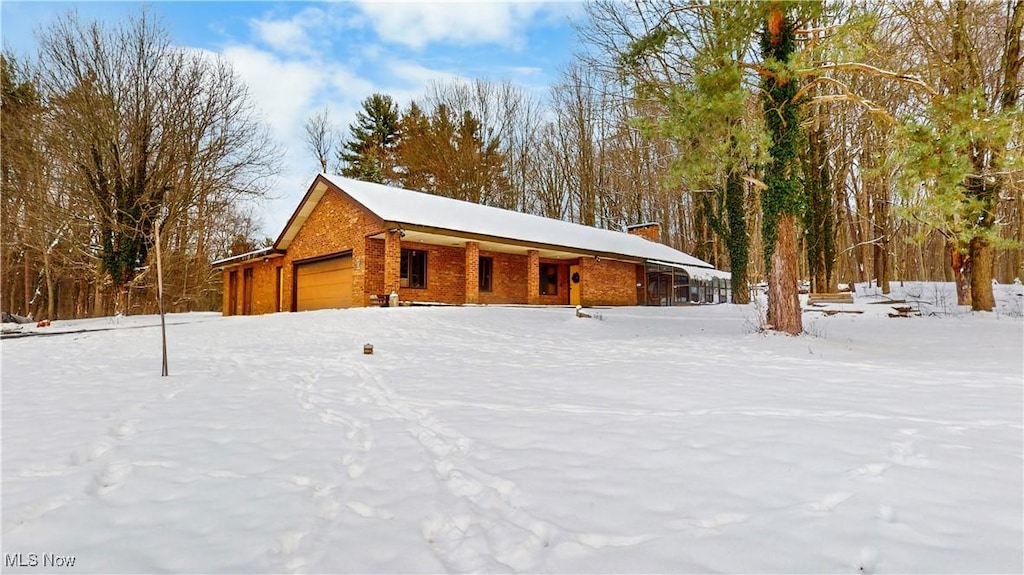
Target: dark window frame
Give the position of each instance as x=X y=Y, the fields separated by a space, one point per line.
x=548 y=279
x=485 y=273
x=408 y=265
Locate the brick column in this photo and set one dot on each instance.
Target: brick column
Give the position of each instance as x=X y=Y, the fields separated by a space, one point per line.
x=533 y=277
x=472 y=272
x=392 y=261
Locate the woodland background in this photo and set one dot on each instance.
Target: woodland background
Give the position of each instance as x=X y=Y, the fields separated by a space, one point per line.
x=906 y=138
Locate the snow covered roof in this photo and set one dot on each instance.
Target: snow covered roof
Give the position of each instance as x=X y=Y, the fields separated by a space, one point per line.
x=699 y=273
x=260 y=253
x=399 y=206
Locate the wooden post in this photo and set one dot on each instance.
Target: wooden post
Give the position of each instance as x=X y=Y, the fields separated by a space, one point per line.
x=160 y=301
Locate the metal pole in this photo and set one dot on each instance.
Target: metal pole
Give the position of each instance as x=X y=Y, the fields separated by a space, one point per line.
x=160 y=300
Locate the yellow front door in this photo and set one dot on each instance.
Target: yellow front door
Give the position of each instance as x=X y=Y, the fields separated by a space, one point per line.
x=574 y=285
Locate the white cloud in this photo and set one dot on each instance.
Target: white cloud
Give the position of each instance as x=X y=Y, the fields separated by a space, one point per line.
x=282 y=88
x=285 y=35
x=421 y=23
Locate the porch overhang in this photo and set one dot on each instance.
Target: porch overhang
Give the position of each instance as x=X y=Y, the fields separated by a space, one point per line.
x=455 y=238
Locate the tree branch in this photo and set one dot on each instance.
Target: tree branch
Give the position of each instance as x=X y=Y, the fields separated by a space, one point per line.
x=860 y=67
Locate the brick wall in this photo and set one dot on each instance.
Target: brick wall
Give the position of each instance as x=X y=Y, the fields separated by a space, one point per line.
x=373 y=267
x=264 y=289
x=336 y=224
x=651 y=231
x=508 y=283
x=472 y=272
x=608 y=282
x=445 y=275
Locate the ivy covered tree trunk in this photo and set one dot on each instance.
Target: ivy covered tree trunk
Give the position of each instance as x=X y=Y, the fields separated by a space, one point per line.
x=781 y=201
x=739 y=244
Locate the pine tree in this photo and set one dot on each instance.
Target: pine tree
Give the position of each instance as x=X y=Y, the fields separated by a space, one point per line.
x=370 y=153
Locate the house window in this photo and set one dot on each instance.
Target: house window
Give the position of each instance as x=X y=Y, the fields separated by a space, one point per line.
x=485 y=269
x=548 y=279
x=414 y=269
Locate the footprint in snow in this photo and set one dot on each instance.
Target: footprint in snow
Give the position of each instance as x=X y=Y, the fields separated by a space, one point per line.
x=89 y=452
x=35 y=511
x=225 y=474
x=903 y=453
x=111 y=477
x=873 y=470
x=124 y=429
x=886 y=513
x=363 y=510
x=170 y=394
x=831 y=501
x=289 y=542
x=722 y=519
x=355 y=470
x=44 y=472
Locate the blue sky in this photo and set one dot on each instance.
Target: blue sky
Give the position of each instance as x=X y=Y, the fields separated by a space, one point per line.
x=297 y=57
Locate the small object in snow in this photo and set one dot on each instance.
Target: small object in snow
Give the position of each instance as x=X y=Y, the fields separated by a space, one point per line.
x=579 y=312
x=43 y=323
x=368 y=349
x=15 y=318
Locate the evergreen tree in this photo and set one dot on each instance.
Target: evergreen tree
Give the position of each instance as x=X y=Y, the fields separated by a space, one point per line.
x=370 y=153
x=692 y=64
x=960 y=151
x=444 y=153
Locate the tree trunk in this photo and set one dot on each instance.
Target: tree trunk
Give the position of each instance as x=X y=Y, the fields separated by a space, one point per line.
x=121 y=301
x=960 y=266
x=28 y=288
x=783 y=298
x=982 y=298
x=51 y=296
x=739 y=245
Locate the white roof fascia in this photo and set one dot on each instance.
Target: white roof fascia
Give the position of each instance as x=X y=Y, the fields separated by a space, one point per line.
x=694 y=272
x=242 y=257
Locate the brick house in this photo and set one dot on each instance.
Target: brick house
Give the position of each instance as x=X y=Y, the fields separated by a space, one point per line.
x=352 y=243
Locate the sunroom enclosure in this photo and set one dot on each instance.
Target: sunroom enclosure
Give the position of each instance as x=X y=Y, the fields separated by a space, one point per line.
x=677 y=285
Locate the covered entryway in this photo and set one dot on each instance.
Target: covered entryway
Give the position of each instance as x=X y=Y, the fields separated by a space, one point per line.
x=324 y=284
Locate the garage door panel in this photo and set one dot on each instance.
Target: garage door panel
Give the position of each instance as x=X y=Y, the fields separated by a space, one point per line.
x=325 y=284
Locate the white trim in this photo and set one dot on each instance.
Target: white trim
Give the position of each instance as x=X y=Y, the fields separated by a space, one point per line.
x=262 y=252
x=695 y=272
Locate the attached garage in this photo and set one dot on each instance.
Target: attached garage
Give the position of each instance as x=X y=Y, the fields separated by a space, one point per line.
x=324 y=284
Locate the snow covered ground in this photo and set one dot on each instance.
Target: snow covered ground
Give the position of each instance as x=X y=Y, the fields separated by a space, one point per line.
x=521 y=439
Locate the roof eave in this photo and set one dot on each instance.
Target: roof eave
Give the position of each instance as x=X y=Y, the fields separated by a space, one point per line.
x=236 y=260
x=472 y=236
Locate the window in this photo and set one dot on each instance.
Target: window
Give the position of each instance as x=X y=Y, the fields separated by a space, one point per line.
x=414 y=269
x=548 y=279
x=485 y=269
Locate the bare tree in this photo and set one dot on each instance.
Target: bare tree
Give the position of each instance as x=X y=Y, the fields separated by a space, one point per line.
x=142 y=129
x=322 y=136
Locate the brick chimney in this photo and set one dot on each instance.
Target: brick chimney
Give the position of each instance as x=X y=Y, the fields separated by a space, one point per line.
x=648 y=231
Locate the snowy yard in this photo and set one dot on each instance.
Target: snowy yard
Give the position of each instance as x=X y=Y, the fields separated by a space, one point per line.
x=520 y=440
